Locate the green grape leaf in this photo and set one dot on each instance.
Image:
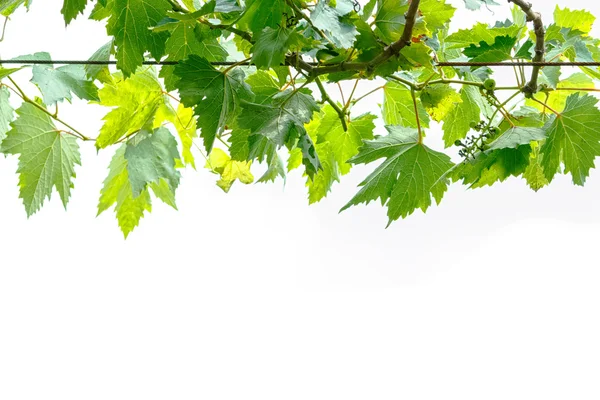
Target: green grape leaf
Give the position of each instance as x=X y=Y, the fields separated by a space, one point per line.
x=476 y=4
x=367 y=10
x=247 y=147
x=573 y=138
x=458 y=119
x=488 y=168
x=344 y=144
x=150 y=159
x=319 y=185
x=499 y=51
x=525 y=51
x=230 y=170
x=534 y=174
x=557 y=99
x=6 y=113
x=47 y=157
x=481 y=33
x=190 y=37
x=418 y=54
x=270 y=47
x=7 y=7
x=281 y=122
x=439 y=100
x=129 y=23
x=227 y=6
x=517 y=136
x=579 y=20
x=398 y=107
x=72 y=8
x=102 y=10
x=260 y=14
x=4 y=72
x=136 y=101
x=436 y=13
x=322 y=181
x=275 y=167
x=390 y=20
x=328 y=20
x=263 y=86
x=409 y=177
x=549 y=76
x=61 y=83
x=100 y=72
x=184 y=121
x=117 y=191
x=214 y=95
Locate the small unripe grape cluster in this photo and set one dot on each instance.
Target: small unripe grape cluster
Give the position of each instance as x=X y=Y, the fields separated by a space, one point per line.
x=473 y=143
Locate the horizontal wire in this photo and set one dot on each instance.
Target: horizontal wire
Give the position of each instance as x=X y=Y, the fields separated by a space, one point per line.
x=314 y=64
x=520 y=63
x=98 y=62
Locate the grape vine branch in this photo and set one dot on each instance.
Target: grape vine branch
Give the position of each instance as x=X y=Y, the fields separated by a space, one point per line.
x=177 y=92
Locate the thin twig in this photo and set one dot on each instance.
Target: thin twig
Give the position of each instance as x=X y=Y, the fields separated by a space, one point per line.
x=332 y=103
x=546 y=106
x=367 y=94
x=4 y=28
x=347 y=105
x=414 y=98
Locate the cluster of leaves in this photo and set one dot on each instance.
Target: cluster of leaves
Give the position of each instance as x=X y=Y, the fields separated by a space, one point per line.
x=272 y=111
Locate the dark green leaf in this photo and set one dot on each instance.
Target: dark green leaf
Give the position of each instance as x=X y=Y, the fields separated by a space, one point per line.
x=408 y=178
x=573 y=138
x=72 y=8
x=215 y=95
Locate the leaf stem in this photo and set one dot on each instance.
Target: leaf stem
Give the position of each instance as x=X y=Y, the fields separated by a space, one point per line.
x=26 y=99
x=4 y=28
x=341 y=114
x=367 y=94
x=414 y=98
x=232 y=66
x=296 y=90
x=547 y=106
x=171 y=96
x=572 y=89
x=408 y=83
x=347 y=105
x=501 y=106
x=244 y=35
x=341 y=93
x=220 y=139
x=448 y=81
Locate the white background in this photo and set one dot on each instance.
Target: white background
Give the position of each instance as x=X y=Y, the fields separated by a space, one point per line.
x=492 y=295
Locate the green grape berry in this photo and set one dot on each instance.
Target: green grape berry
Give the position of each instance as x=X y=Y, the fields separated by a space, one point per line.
x=473 y=124
x=458 y=143
x=489 y=84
